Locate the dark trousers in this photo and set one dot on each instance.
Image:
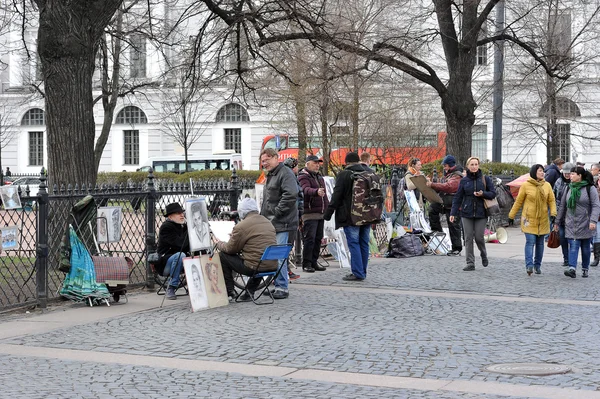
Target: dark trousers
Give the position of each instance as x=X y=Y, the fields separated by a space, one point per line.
x=435 y=212
x=231 y=263
x=312 y=234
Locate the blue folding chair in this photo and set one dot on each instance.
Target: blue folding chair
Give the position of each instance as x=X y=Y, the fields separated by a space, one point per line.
x=278 y=252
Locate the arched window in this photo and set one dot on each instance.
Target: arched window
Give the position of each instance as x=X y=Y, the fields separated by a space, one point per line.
x=565 y=108
x=131 y=116
x=34 y=117
x=232 y=113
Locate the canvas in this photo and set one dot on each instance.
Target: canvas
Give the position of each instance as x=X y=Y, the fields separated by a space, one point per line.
x=109 y=224
x=213 y=281
x=10 y=238
x=197 y=223
x=10 y=197
x=196 y=286
x=428 y=192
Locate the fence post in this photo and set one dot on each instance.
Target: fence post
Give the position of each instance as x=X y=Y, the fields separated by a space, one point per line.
x=41 y=249
x=150 y=226
x=395 y=181
x=234 y=193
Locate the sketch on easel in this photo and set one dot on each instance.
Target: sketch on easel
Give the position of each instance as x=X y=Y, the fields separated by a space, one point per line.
x=197 y=223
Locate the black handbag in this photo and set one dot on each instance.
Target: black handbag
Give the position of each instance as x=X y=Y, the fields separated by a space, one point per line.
x=407 y=246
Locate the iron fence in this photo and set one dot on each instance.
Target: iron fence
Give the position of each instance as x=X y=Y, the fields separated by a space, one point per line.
x=29 y=273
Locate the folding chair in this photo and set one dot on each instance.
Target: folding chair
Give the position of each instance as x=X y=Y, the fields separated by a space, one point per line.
x=278 y=252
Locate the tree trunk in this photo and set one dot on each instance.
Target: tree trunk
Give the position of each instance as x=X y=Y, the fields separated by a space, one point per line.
x=300 y=103
x=68 y=37
x=459 y=110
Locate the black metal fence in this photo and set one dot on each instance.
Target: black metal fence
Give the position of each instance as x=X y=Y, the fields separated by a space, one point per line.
x=29 y=273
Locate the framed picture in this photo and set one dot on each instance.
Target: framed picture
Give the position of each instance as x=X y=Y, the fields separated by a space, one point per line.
x=10 y=237
x=214 y=281
x=109 y=224
x=196 y=285
x=197 y=223
x=10 y=197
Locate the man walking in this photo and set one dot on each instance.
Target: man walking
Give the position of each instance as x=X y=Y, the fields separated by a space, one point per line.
x=341 y=204
x=279 y=206
x=447 y=188
x=315 y=204
x=552 y=172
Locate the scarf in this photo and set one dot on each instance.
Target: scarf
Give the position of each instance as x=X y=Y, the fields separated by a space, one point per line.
x=541 y=207
x=575 y=193
x=413 y=171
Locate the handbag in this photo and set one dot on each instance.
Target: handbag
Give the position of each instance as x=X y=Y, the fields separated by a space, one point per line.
x=491 y=205
x=553 y=240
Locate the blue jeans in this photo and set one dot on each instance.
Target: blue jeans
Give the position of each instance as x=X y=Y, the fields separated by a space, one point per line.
x=358 y=243
x=596 y=239
x=574 y=246
x=173 y=268
x=282 y=280
x=564 y=243
x=534 y=241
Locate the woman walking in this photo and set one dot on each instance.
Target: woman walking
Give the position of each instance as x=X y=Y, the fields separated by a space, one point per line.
x=468 y=200
x=578 y=214
x=536 y=198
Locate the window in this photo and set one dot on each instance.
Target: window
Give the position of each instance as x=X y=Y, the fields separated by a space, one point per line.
x=131 y=147
x=137 y=54
x=36 y=148
x=34 y=117
x=479 y=141
x=131 y=115
x=232 y=113
x=233 y=140
x=559 y=36
x=565 y=108
x=482 y=51
x=564 y=141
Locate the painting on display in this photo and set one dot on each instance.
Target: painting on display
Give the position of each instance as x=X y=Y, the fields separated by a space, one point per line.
x=10 y=237
x=197 y=223
x=109 y=224
x=196 y=285
x=10 y=197
x=213 y=281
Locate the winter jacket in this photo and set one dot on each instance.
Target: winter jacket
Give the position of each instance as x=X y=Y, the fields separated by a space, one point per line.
x=172 y=238
x=452 y=181
x=577 y=222
x=469 y=205
x=341 y=199
x=551 y=174
x=280 y=198
x=559 y=189
x=249 y=239
x=534 y=218
x=310 y=183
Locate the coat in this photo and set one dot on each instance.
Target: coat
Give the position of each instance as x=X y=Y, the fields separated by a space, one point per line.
x=577 y=223
x=280 y=199
x=533 y=219
x=341 y=199
x=249 y=239
x=467 y=205
x=172 y=238
x=310 y=183
x=552 y=174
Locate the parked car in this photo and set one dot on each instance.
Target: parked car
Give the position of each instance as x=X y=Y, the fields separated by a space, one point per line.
x=32 y=182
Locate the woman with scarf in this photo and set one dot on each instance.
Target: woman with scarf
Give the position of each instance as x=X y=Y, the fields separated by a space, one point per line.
x=468 y=200
x=414 y=169
x=578 y=214
x=536 y=198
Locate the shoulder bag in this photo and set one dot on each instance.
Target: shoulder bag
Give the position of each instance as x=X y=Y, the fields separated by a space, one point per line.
x=491 y=205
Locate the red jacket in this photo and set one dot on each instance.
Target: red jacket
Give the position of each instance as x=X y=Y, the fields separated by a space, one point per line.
x=452 y=182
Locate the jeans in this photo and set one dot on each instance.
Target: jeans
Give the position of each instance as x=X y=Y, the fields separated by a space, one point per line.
x=474 y=229
x=534 y=241
x=564 y=243
x=312 y=234
x=596 y=239
x=358 y=243
x=574 y=245
x=282 y=280
x=173 y=268
x=435 y=211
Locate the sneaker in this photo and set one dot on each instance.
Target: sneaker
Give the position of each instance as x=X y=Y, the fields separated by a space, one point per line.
x=469 y=268
x=280 y=294
x=585 y=273
x=454 y=253
x=171 y=293
x=351 y=277
x=529 y=271
x=485 y=262
x=293 y=276
x=565 y=263
x=538 y=270
x=570 y=272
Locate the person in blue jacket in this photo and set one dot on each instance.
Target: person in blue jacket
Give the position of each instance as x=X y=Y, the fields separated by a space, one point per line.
x=468 y=204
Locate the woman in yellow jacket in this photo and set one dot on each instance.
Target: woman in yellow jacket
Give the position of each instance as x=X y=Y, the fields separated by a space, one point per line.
x=536 y=198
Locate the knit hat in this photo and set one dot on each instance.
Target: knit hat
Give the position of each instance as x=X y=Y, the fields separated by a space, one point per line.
x=449 y=160
x=246 y=206
x=352 y=157
x=567 y=166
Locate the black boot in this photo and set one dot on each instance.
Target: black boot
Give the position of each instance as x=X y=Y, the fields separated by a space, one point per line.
x=596 y=255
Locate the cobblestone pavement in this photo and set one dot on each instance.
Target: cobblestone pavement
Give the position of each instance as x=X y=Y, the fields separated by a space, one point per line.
x=405 y=321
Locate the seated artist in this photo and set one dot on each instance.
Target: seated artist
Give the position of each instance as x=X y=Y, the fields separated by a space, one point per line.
x=242 y=253
x=173 y=246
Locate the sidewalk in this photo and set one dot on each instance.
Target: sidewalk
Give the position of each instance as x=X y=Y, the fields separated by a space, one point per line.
x=415 y=328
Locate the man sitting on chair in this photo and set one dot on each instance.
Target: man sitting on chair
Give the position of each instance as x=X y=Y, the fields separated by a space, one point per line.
x=242 y=253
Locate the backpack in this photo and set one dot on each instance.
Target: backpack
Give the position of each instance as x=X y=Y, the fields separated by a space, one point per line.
x=367 y=198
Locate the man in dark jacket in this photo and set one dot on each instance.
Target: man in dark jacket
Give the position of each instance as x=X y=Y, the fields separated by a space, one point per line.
x=447 y=188
x=248 y=241
x=341 y=204
x=280 y=207
x=315 y=203
x=292 y=163
x=173 y=245
x=552 y=171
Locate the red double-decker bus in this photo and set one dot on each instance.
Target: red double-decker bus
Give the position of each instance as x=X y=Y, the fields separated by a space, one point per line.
x=426 y=147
